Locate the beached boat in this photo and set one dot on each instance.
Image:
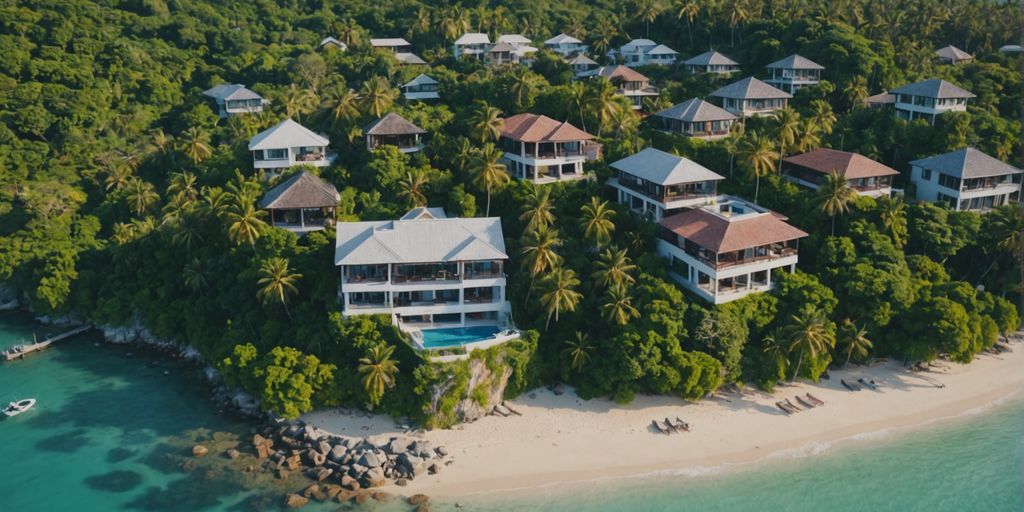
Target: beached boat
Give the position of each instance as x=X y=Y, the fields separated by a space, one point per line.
x=16 y=408
x=870 y=385
x=851 y=387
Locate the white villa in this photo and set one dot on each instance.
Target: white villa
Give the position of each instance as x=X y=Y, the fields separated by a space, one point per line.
x=424 y=270
x=953 y=55
x=473 y=44
x=287 y=144
x=728 y=249
x=394 y=130
x=794 y=72
x=966 y=180
x=711 y=62
x=510 y=49
x=234 y=99
x=864 y=175
x=400 y=47
x=643 y=52
x=302 y=203
x=629 y=83
x=657 y=184
x=928 y=99
x=422 y=87
x=582 y=65
x=542 y=150
x=696 y=118
x=566 y=45
x=752 y=97
x=331 y=42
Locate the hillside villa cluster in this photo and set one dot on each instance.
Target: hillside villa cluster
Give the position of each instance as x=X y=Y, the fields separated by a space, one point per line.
x=442 y=279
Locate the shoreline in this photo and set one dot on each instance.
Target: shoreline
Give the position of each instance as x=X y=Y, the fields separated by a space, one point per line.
x=563 y=441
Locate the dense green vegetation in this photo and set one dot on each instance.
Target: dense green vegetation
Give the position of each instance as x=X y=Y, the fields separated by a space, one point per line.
x=123 y=197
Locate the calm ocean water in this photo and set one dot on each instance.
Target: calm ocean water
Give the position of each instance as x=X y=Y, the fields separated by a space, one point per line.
x=110 y=432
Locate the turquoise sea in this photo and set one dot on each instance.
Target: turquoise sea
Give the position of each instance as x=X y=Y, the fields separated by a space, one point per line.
x=111 y=431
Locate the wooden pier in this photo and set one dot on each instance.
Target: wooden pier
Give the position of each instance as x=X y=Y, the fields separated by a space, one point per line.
x=19 y=352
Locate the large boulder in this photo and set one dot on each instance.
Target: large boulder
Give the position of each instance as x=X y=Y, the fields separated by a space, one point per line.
x=369 y=460
x=422 y=449
x=441 y=451
x=350 y=483
x=374 y=477
x=233 y=453
x=311 y=433
x=397 y=446
x=315 y=458
x=295 y=501
x=337 y=453
x=199 y=450
x=323 y=474
x=311 y=490
x=419 y=499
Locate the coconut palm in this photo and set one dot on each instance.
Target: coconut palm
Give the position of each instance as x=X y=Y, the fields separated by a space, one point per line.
x=485 y=123
x=489 y=173
x=194 y=276
x=775 y=352
x=246 y=223
x=809 y=138
x=195 y=144
x=183 y=183
x=807 y=333
x=297 y=101
x=739 y=13
x=161 y=145
x=688 y=10
x=140 y=195
x=822 y=116
x=604 y=102
x=378 y=95
x=342 y=103
x=559 y=293
x=413 y=187
x=187 y=232
x=618 y=307
x=277 y=282
x=854 y=340
x=835 y=196
x=176 y=208
x=604 y=33
x=647 y=11
x=757 y=153
x=614 y=268
x=378 y=370
x=893 y=215
x=537 y=209
x=539 y=248
x=787 y=130
x=596 y=221
x=578 y=92
x=524 y=82
x=855 y=91
x=578 y=349
x=117 y=176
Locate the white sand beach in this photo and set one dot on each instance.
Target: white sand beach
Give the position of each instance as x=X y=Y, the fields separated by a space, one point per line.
x=563 y=439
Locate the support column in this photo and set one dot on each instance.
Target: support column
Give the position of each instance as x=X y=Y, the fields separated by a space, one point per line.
x=302 y=217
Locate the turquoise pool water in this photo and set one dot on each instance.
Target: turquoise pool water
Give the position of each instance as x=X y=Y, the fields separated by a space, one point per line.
x=456 y=336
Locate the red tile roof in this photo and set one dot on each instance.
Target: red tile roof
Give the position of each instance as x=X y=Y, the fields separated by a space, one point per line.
x=851 y=165
x=538 y=128
x=722 y=235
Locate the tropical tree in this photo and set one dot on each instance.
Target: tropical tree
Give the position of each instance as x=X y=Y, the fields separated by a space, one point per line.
x=809 y=334
x=614 y=268
x=757 y=153
x=787 y=130
x=775 y=352
x=342 y=103
x=539 y=248
x=195 y=144
x=893 y=215
x=297 y=101
x=618 y=307
x=822 y=116
x=578 y=93
x=245 y=222
x=648 y=11
x=413 y=187
x=183 y=183
x=578 y=349
x=809 y=137
x=604 y=33
x=194 y=276
x=688 y=10
x=856 y=90
x=117 y=176
x=378 y=95
x=485 y=122
x=559 y=293
x=835 y=196
x=140 y=195
x=603 y=100
x=739 y=13
x=596 y=221
x=378 y=370
x=854 y=340
x=277 y=282
x=537 y=209
x=490 y=173
x=161 y=145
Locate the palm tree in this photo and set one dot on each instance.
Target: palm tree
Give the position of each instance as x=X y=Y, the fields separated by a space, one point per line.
x=578 y=350
x=413 y=187
x=856 y=90
x=246 y=222
x=194 y=275
x=485 y=123
x=578 y=92
x=537 y=210
x=140 y=196
x=603 y=100
x=378 y=95
x=161 y=145
x=759 y=155
x=854 y=340
x=378 y=371
x=187 y=232
x=808 y=332
x=559 y=293
x=893 y=214
x=490 y=172
x=524 y=82
x=297 y=101
x=619 y=306
x=787 y=129
x=835 y=196
x=739 y=13
x=688 y=10
x=604 y=32
x=648 y=11
x=775 y=352
x=822 y=116
x=614 y=268
x=277 y=282
x=808 y=138
x=196 y=144
x=184 y=183
x=343 y=103
x=118 y=175
x=539 y=253
x=596 y=221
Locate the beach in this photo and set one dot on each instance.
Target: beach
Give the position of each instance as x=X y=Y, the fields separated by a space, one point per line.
x=564 y=439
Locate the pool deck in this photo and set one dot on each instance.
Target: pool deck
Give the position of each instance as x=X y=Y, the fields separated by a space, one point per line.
x=502 y=336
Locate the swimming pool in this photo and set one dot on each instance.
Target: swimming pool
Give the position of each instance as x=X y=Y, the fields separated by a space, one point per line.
x=456 y=336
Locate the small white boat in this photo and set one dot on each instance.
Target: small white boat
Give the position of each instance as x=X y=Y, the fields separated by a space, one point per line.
x=16 y=408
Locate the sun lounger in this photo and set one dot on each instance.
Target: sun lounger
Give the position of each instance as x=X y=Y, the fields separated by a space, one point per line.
x=682 y=424
x=794 y=406
x=815 y=399
x=784 y=408
x=671 y=426
x=804 y=403
x=659 y=428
